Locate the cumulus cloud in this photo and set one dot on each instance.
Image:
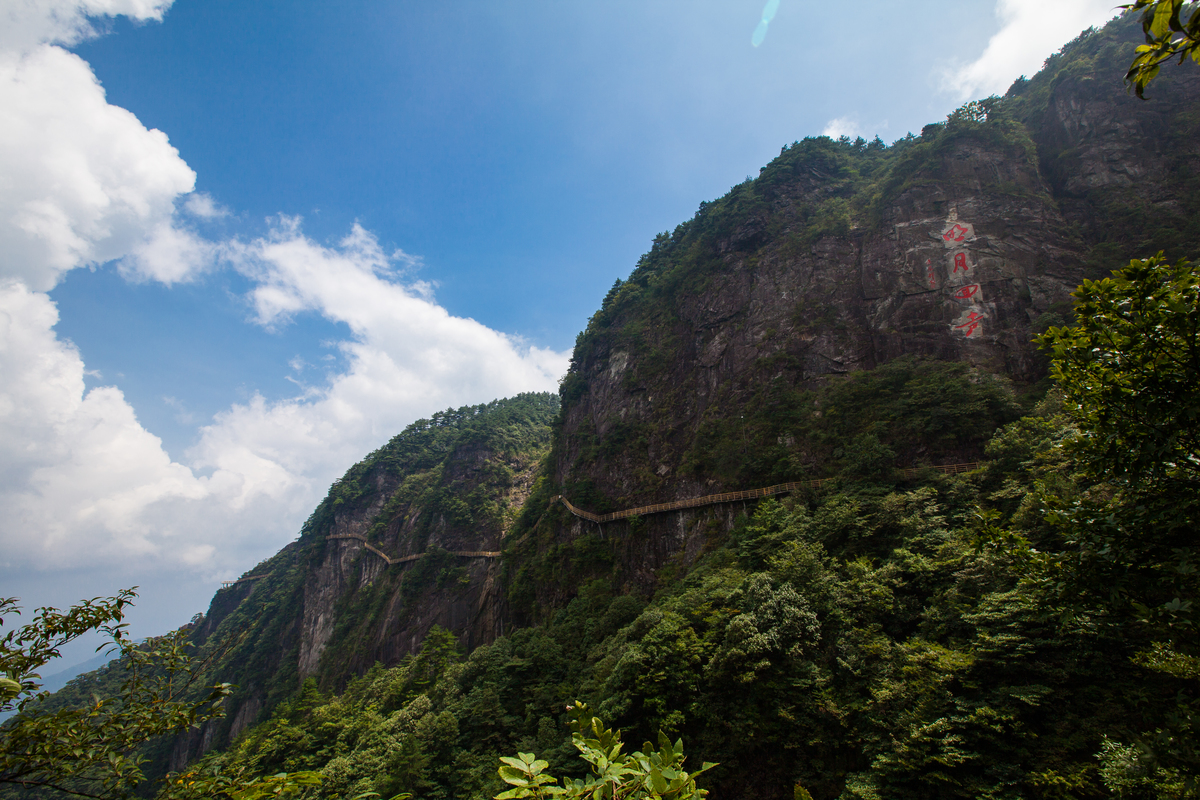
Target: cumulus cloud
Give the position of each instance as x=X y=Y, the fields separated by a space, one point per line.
x=1029 y=29
x=83 y=484
x=201 y=205
x=408 y=358
x=85 y=181
x=168 y=253
x=78 y=469
x=29 y=23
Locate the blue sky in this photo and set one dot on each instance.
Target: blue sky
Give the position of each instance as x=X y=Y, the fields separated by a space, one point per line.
x=245 y=243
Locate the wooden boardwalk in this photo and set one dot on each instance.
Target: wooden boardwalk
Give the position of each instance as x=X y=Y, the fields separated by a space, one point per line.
x=747 y=494
x=675 y=505
x=225 y=584
x=414 y=556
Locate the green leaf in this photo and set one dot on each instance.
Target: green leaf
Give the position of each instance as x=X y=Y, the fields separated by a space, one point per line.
x=514 y=776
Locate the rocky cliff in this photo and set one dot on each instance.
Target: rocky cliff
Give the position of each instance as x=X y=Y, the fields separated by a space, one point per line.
x=408 y=539
x=729 y=357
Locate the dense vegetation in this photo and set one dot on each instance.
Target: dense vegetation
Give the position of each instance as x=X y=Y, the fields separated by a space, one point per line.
x=858 y=426
x=251 y=637
x=874 y=640
x=1025 y=630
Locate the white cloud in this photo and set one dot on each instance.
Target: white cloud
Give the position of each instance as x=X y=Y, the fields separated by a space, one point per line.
x=200 y=204
x=1030 y=29
x=83 y=484
x=85 y=181
x=841 y=126
x=168 y=254
x=409 y=357
x=78 y=470
x=29 y=23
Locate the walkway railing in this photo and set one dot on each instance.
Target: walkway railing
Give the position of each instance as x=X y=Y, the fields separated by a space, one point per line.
x=675 y=505
x=405 y=559
x=747 y=494
x=225 y=584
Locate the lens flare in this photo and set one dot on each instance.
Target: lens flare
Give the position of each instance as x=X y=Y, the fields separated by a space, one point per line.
x=768 y=14
x=760 y=33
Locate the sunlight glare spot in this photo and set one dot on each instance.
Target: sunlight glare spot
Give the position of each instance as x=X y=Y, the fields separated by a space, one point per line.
x=760 y=33
x=768 y=14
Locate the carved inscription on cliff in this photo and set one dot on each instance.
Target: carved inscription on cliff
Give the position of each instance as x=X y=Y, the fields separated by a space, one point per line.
x=961 y=283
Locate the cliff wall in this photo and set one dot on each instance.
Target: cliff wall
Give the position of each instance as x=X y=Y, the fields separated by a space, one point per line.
x=728 y=359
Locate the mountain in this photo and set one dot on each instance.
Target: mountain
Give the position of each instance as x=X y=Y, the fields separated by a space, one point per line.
x=856 y=311
x=407 y=539
x=739 y=352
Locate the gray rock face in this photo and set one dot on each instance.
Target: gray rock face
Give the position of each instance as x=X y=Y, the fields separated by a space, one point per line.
x=961 y=266
x=470 y=605
x=976 y=251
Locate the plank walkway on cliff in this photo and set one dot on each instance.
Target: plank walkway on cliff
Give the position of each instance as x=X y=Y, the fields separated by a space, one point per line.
x=225 y=584
x=675 y=505
x=747 y=494
x=414 y=556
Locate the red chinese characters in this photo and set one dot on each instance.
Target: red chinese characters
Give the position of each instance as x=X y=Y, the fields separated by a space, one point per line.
x=967 y=292
x=960 y=262
x=972 y=323
x=957 y=233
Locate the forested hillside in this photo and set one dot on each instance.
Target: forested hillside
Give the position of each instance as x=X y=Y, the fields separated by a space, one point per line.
x=328 y=608
x=871 y=639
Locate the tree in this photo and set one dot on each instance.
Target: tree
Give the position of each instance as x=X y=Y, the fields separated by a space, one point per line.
x=94 y=751
x=1167 y=35
x=1130 y=372
x=1123 y=551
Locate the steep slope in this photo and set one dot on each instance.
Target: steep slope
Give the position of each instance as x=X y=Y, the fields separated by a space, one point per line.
x=406 y=540
x=726 y=360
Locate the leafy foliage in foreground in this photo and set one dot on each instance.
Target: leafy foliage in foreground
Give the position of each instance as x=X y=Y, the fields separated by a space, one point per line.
x=1171 y=30
x=656 y=773
x=92 y=750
